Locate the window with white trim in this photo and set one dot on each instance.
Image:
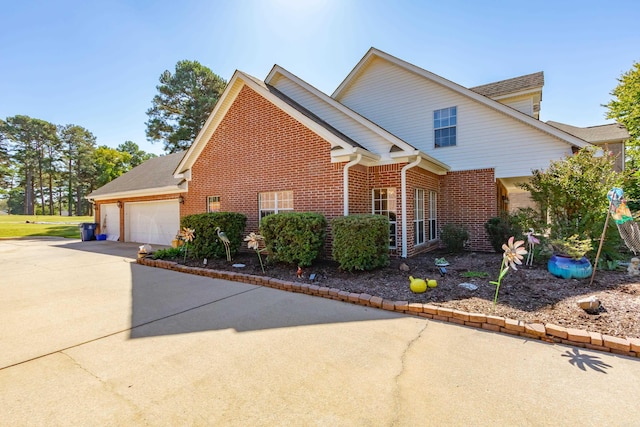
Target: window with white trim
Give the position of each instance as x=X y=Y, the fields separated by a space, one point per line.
x=433 y=215
x=419 y=225
x=272 y=202
x=213 y=203
x=444 y=127
x=384 y=203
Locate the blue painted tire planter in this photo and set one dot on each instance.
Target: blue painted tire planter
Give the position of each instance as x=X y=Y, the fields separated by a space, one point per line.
x=569 y=268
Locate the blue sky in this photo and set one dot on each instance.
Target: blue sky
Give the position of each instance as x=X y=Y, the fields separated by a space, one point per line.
x=96 y=64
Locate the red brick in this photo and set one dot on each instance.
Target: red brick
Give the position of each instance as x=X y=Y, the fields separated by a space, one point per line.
x=495 y=320
x=556 y=331
x=491 y=327
x=461 y=315
x=415 y=307
x=443 y=311
x=615 y=343
x=388 y=305
x=431 y=309
x=578 y=335
x=477 y=317
x=635 y=344
x=535 y=329
x=376 y=301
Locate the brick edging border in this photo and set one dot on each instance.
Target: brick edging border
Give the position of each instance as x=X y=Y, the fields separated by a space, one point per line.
x=543 y=332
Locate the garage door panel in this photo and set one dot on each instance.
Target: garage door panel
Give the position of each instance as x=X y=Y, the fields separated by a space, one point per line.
x=153 y=222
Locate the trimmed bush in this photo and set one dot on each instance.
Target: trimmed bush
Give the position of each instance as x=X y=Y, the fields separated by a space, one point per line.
x=454 y=237
x=500 y=228
x=294 y=237
x=206 y=243
x=361 y=242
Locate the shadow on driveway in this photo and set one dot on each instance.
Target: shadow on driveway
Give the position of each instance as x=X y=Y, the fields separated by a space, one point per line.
x=165 y=302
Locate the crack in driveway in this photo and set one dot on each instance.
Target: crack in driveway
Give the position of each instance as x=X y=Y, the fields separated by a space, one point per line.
x=396 y=380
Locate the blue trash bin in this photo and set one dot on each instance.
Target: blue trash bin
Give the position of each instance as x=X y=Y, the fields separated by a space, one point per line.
x=88 y=231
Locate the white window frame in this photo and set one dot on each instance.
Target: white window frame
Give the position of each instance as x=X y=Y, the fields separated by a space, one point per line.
x=383 y=202
x=433 y=215
x=213 y=199
x=419 y=223
x=445 y=120
x=273 y=202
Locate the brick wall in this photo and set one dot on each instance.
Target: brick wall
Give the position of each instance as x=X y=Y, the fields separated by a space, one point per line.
x=257 y=148
x=469 y=198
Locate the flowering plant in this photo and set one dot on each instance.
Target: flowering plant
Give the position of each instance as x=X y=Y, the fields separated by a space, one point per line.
x=513 y=254
x=253 y=242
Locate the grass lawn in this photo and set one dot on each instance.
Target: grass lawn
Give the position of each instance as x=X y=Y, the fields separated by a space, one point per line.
x=13 y=226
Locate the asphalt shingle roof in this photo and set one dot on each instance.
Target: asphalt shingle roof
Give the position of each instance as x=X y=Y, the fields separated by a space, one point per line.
x=594 y=134
x=154 y=173
x=513 y=85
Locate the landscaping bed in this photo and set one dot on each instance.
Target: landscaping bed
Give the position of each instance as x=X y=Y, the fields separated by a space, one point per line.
x=530 y=294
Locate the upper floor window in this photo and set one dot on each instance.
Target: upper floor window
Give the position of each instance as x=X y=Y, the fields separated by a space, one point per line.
x=213 y=203
x=444 y=126
x=275 y=201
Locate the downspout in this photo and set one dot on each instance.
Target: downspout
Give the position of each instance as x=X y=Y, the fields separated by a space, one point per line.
x=345 y=182
x=403 y=189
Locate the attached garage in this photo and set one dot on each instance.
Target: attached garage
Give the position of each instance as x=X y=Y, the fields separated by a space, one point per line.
x=154 y=222
x=110 y=221
x=142 y=205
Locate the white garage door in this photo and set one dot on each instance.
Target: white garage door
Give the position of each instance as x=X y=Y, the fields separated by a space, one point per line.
x=110 y=221
x=152 y=222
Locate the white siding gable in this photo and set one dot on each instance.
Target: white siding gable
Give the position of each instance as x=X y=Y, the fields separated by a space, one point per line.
x=524 y=105
x=403 y=102
x=364 y=136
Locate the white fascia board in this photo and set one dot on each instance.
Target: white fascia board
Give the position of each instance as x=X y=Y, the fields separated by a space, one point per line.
x=427 y=163
x=517 y=94
x=340 y=107
x=543 y=127
x=158 y=191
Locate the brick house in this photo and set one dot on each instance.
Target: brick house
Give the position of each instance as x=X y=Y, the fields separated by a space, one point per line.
x=393 y=139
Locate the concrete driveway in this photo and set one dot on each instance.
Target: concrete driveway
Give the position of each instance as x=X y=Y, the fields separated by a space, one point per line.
x=88 y=337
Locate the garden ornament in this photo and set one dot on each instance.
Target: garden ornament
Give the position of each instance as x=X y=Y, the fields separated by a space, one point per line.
x=299 y=272
x=225 y=241
x=627 y=227
x=531 y=242
x=417 y=286
x=634 y=267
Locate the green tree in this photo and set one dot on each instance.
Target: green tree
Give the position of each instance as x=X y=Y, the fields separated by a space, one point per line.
x=110 y=164
x=30 y=143
x=138 y=156
x=625 y=107
x=78 y=148
x=572 y=193
x=183 y=103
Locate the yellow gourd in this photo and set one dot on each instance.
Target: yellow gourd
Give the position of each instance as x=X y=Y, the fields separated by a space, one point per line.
x=417 y=286
x=432 y=283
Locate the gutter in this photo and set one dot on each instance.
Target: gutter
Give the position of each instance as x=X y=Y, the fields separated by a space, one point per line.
x=345 y=182
x=403 y=186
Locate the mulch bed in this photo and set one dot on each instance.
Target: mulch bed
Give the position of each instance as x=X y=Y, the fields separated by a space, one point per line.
x=530 y=294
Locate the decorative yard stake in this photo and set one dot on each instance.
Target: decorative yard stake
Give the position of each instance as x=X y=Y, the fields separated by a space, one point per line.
x=253 y=240
x=531 y=242
x=187 y=235
x=225 y=241
x=512 y=255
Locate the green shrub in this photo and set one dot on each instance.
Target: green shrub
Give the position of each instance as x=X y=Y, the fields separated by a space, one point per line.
x=206 y=243
x=454 y=237
x=500 y=228
x=169 y=253
x=294 y=237
x=361 y=242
